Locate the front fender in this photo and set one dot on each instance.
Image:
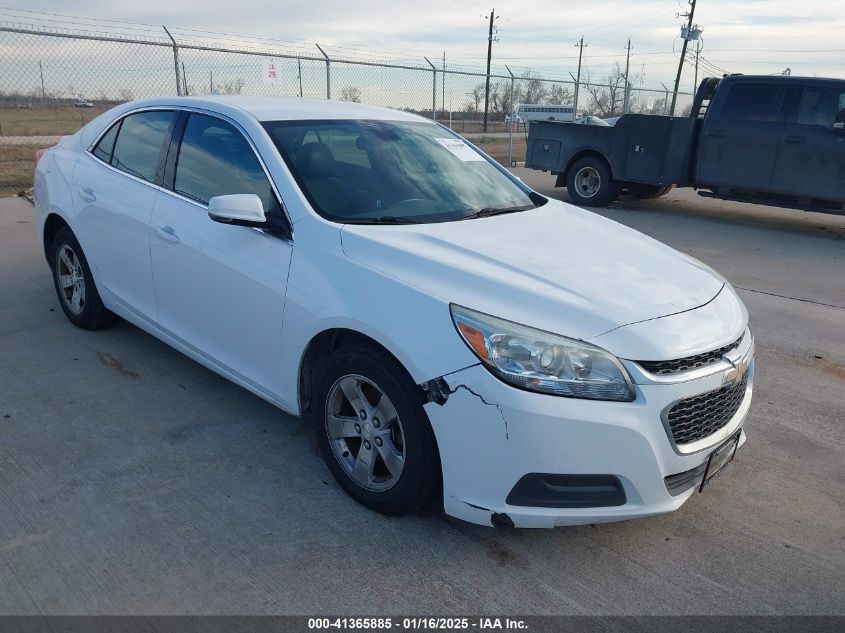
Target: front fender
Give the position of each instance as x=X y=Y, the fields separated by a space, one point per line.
x=327 y=290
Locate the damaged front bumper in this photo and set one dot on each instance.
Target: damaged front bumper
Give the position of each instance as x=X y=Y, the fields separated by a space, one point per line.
x=492 y=436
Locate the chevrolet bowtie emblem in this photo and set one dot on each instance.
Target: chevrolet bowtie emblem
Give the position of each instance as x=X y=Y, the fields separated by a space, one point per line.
x=737 y=371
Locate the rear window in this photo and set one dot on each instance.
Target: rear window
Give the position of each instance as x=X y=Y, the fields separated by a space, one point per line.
x=754 y=102
x=140 y=142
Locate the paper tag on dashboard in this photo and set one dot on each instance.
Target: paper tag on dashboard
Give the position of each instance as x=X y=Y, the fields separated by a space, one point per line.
x=460 y=149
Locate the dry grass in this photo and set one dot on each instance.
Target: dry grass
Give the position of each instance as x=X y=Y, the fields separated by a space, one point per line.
x=17 y=162
x=46 y=122
x=498 y=148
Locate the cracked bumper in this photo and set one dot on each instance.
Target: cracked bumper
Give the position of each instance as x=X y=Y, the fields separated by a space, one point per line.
x=490 y=435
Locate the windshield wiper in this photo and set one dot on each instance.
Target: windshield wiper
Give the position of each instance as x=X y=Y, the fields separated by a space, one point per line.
x=490 y=211
x=395 y=219
x=384 y=219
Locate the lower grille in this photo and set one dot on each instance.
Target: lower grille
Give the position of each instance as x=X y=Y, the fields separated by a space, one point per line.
x=692 y=419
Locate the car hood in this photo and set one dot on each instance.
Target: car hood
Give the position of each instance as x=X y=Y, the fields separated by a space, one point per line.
x=558 y=268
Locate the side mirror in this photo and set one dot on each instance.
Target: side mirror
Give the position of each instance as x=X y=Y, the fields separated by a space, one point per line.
x=241 y=209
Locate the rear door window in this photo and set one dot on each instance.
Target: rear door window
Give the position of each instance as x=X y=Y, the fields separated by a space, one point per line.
x=140 y=143
x=754 y=102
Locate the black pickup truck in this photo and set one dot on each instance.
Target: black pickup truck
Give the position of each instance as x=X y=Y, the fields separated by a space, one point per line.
x=777 y=140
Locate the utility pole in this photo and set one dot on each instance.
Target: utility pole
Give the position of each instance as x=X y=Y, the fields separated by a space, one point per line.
x=491 y=17
x=580 y=46
x=665 y=98
x=683 y=55
x=627 y=98
x=210 y=82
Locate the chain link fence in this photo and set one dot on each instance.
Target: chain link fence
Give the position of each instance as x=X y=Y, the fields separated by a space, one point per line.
x=53 y=81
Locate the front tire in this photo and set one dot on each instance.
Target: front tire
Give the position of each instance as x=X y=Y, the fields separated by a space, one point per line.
x=74 y=283
x=590 y=183
x=372 y=430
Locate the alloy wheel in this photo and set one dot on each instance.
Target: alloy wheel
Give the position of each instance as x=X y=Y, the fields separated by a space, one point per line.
x=365 y=433
x=70 y=279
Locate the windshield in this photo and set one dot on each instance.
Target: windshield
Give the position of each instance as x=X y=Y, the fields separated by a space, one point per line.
x=393 y=172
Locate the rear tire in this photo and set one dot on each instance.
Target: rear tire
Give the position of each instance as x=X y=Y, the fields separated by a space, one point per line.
x=590 y=183
x=380 y=448
x=648 y=192
x=74 y=283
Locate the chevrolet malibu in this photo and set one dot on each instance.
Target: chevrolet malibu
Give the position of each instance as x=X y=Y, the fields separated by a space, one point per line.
x=447 y=330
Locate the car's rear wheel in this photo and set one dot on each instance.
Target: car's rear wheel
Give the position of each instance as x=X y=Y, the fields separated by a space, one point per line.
x=372 y=430
x=590 y=183
x=74 y=284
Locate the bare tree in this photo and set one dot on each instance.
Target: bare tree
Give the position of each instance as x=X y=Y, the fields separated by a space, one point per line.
x=608 y=93
x=531 y=88
x=561 y=94
x=477 y=96
x=350 y=93
x=124 y=94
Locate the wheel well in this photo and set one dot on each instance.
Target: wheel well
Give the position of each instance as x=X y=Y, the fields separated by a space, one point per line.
x=562 y=176
x=320 y=347
x=51 y=227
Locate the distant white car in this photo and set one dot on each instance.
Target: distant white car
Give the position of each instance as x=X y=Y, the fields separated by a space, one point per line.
x=446 y=329
x=81 y=103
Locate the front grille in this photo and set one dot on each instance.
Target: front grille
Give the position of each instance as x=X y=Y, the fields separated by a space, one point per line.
x=692 y=419
x=689 y=362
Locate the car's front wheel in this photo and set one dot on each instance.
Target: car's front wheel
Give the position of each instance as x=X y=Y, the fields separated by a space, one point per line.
x=74 y=284
x=372 y=430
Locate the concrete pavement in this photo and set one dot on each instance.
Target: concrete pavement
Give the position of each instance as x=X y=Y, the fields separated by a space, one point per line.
x=133 y=480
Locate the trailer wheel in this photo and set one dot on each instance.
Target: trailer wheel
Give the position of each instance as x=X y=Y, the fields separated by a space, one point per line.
x=590 y=183
x=646 y=192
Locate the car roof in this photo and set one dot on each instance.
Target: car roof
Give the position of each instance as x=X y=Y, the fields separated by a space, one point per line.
x=286 y=108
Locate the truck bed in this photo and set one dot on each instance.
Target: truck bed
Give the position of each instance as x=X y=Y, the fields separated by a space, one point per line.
x=640 y=148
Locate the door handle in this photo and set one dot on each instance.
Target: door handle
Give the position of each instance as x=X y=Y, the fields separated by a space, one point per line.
x=87 y=194
x=716 y=133
x=793 y=138
x=167 y=233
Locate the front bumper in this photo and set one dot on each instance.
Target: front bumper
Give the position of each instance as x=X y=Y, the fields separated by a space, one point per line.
x=490 y=435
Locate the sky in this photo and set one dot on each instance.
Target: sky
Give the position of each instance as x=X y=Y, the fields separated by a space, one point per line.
x=749 y=36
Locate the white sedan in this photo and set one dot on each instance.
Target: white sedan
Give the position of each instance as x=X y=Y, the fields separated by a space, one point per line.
x=447 y=330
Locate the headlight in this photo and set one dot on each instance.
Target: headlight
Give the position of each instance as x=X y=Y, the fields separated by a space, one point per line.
x=541 y=361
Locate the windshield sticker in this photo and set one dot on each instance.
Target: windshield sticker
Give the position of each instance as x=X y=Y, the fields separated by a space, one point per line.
x=460 y=149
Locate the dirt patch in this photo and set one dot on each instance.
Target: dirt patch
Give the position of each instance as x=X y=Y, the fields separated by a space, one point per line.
x=112 y=363
x=827 y=366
